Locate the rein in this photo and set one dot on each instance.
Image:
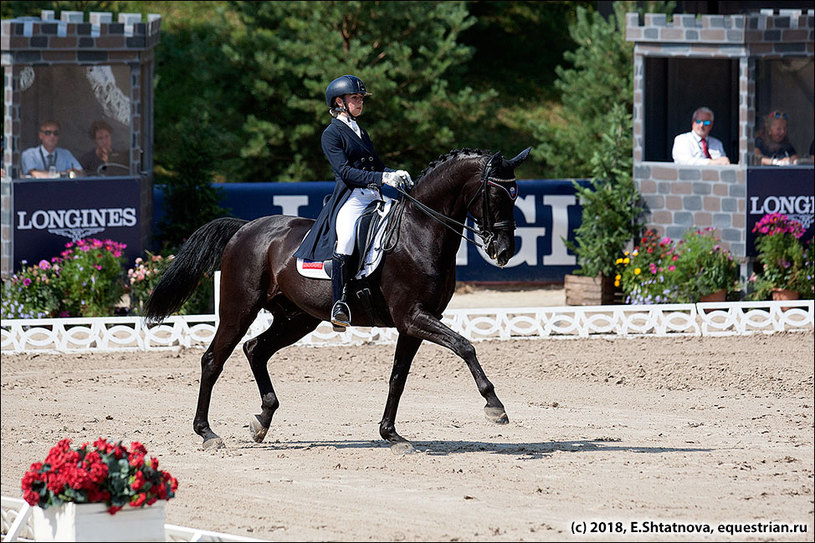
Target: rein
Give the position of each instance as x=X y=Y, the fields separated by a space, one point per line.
x=486 y=234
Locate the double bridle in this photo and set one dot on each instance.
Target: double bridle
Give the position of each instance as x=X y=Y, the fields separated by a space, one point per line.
x=487 y=232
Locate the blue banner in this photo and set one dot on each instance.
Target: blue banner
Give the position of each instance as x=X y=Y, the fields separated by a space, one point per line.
x=48 y=213
x=546 y=211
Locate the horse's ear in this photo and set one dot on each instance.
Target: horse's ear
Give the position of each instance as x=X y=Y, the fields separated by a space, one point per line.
x=514 y=162
x=496 y=158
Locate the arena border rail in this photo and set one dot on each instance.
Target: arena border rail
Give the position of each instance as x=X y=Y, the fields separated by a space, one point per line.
x=114 y=334
x=16 y=526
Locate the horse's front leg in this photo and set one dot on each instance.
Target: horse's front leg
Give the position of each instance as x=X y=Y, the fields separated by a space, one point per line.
x=406 y=348
x=427 y=327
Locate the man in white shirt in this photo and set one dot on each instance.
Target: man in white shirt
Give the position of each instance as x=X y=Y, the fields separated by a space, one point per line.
x=698 y=147
x=48 y=160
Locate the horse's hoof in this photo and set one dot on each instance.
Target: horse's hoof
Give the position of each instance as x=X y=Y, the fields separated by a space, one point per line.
x=402 y=448
x=256 y=429
x=214 y=443
x=496 y=414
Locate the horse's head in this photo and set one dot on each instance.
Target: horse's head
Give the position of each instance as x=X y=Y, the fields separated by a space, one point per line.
x=498 y=192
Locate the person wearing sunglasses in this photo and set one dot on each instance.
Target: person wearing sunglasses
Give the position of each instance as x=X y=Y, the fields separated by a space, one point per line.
x=698 y=147
x=359 y=174
x=47 y=160
x=773 y=147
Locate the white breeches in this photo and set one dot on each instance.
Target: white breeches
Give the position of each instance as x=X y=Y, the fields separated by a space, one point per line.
x=348 y=215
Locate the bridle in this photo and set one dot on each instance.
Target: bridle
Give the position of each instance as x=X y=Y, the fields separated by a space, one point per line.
x=485 y=232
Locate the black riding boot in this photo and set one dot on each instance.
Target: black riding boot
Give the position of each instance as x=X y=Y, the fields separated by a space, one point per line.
x=340 y=313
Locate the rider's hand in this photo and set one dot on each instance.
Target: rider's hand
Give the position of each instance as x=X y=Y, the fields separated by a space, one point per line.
x=407 y=182
x=391 y=179
x=395 y=178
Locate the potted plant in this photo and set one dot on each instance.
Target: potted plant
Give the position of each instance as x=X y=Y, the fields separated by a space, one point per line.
x=697 y=268
x=611 y=216
x=705 y=270
x=786 y=265
x=104 y=492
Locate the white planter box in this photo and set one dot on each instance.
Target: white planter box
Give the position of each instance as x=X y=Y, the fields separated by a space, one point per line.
x=92 y=522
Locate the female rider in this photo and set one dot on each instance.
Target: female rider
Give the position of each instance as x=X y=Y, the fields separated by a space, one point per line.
x=359 y=174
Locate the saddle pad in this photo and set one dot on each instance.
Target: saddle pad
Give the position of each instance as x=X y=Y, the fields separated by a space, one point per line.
x=318 y=270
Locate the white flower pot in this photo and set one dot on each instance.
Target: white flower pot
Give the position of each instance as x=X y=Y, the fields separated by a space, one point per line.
x=92 y=522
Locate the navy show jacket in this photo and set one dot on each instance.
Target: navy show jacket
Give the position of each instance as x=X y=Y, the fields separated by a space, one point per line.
x=356 y=165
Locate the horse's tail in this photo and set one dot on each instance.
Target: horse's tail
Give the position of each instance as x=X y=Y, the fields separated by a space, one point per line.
x=200 y=254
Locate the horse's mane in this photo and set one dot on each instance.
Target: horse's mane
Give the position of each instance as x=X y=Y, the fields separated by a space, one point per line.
x=452 y=155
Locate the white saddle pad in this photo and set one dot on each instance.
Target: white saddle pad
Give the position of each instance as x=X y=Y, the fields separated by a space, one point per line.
x=316 y=269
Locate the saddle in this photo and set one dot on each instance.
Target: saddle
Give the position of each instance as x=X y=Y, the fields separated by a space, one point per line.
x=368 y=249
x=369 y=230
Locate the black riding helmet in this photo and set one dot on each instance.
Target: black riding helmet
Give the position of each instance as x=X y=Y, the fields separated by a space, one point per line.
x=346 y=84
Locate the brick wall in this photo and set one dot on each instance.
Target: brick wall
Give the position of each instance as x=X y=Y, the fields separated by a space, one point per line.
x=681 y=197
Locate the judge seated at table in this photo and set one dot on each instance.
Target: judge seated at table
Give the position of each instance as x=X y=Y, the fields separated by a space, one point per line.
x=47 y=160
x=698 y=147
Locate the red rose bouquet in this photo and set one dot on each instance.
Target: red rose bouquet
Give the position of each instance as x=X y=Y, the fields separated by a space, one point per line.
x=104 y=473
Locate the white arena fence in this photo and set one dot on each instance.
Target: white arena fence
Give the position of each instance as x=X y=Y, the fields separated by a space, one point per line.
x=16 y=521
x=106 y=334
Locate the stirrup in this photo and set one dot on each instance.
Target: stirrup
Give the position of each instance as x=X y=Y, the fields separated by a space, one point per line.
x=340 y=315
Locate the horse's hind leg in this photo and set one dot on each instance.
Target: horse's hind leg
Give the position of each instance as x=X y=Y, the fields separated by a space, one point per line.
x=227 y=336
x=285 y=330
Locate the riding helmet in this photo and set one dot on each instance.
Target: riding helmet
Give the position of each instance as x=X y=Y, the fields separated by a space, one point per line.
x=346 y=84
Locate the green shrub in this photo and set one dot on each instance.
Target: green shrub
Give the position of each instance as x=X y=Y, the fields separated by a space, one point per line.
x=91 y=277
x=659 y=271
x=33 y=293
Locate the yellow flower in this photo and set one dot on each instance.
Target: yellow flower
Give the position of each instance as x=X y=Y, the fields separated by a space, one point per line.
x=637 y=271
x=618 y=261
x=617 y=277
x=617 y=283
x=626 y=260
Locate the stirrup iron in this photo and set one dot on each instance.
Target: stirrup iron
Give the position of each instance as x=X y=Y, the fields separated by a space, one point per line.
x=340 y=315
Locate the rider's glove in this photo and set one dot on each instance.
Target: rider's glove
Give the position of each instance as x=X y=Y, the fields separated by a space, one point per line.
x=395 y=178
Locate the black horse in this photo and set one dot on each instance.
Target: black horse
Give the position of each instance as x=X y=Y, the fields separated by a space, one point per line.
x=416 y=280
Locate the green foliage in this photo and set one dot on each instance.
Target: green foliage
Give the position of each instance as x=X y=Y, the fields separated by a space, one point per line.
x=645 y=273
x=190 y=200
x=657 y=271
x=85 y=280
x=285 y=53
x=91 y=277
x=88 y=280
x=612 y=208
x=33 y=293
x=704 y=266
x=601 y=74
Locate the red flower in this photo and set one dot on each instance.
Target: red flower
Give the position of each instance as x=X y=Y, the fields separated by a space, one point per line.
x=139 y=500
x=83 y=475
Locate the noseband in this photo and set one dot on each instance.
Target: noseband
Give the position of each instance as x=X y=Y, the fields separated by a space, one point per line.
x=487 y=232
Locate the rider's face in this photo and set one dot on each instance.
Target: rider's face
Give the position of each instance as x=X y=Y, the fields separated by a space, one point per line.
x=354 y=102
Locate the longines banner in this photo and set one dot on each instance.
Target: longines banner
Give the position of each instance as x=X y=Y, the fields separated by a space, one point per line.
x=48 y=213
x=545 y=212
x=788 y=190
